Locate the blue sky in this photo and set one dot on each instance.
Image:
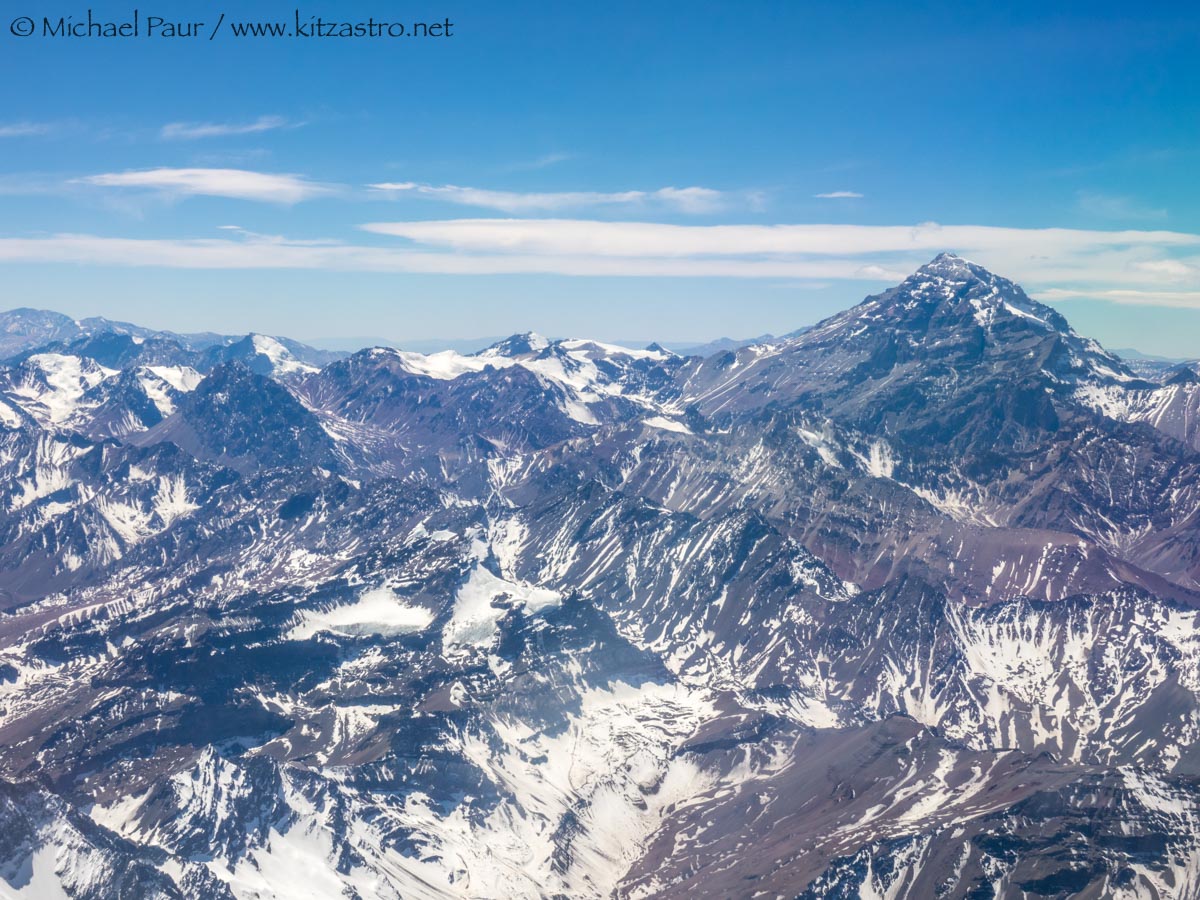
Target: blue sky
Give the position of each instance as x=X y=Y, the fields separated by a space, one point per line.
x=667 y=170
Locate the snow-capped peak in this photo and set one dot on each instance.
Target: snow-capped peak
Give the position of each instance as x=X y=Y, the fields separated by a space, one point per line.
x=53 y=385
x=283 y=362
x=597 y=349
x=530 y=343
x=947 y=264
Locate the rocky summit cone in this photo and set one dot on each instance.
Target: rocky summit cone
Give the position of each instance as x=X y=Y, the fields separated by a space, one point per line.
x=952 y=301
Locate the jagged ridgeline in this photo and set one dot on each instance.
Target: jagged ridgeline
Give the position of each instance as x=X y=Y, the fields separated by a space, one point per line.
x=903 y=605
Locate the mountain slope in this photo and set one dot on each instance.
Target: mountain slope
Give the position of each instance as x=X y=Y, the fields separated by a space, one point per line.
x=903 y=605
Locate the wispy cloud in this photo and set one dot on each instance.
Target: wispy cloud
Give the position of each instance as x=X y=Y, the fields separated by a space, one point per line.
x=1172 y=269
x=255 y=251
x=1175 y=299
x=839 y=195
x=697 y=200
x=25 y=129
x=693 y=200
x=193 y=131
x=642 y=239
x=239 y=184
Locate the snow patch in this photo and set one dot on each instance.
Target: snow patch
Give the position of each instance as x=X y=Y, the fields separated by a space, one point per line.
x=483 y=601
x=377 y=611
x=666 y=424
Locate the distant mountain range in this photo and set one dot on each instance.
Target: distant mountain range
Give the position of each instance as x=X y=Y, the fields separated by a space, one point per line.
x=467 y=346
x=900 y=605
x=23 y=329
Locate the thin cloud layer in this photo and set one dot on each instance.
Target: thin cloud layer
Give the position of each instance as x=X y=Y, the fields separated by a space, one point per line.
x=839 y=195
x=652 y=239
x=239 y=184
x=694 y=200
x=268 y=252
x=25 y=129
x=1173 y=299
x=192 y=131
x=1154 y=268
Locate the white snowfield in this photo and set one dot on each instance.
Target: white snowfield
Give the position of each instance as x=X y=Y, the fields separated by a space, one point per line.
x=376 y=611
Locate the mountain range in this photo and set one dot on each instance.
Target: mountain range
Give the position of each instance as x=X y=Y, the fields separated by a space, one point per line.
x=900 y=605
